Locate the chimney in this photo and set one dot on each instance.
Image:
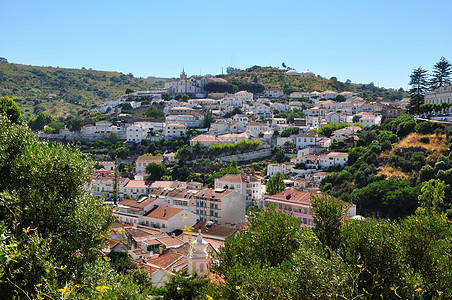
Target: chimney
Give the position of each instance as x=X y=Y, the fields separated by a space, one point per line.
x=213 y=194
x=288 y=193
x=161 y=249
x=164 y=211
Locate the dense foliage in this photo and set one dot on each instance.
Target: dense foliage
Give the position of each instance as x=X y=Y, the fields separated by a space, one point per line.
x=275 y=258
x=377 y=155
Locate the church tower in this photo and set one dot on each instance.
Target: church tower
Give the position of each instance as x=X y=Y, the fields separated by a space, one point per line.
x=183 y=76
x=199 y=258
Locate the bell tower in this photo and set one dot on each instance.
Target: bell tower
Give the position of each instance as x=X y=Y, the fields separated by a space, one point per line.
x=199 y=258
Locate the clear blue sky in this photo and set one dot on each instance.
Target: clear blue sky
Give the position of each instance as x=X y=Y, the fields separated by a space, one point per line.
x=364 y=41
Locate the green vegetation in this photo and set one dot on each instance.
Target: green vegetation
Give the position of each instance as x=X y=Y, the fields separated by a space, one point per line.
x=240 y=146
x=327 y=130
x=384 y=176
x=61 y=92
x=52 y=229
x=276 y=184
x=276 y=258
x=11 y=110
x=256 y=78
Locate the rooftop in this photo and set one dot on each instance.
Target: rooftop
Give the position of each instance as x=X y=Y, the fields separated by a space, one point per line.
x=163 y=212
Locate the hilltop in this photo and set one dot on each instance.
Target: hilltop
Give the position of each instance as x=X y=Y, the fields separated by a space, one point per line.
x=270 y=77
x=60 y=91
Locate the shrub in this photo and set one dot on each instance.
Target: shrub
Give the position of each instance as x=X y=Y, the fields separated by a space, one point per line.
x=425 y=140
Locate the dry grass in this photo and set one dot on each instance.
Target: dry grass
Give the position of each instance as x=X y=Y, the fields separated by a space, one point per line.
x=389 y=171
x=437 y=146
x=437 y=143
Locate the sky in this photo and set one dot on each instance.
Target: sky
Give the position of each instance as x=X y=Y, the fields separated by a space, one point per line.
x=364 y=41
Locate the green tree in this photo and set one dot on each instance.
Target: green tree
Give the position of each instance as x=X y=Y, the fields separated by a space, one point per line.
x=112 y=136
x=276 y=184
x=328 y=215
x=38 y=122
x=120 y=152
x=418 y=82
x=155 y=171
x=74 y=124
x=220 y=87
x=183 y=287
x=442 y=71
x=431 y=197
x=154 y=113
x=184 y=153
x=278 y=155
x=207 y=119
x=43 y=201
x=10 y=108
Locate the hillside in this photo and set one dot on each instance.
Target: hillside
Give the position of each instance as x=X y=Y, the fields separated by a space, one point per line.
x=60 y=92
x=275 y=78
x=437 y=145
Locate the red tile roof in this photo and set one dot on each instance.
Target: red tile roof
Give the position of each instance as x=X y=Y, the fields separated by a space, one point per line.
x=163 y=212
x=164 y=261
x=238 y=178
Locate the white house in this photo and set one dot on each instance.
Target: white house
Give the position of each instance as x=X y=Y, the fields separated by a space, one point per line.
x=136 y=133
x=333 y=158
x=370 y=120
x=273 y=93
x=248 y=186
x=261 y=110
x=168 y=219
x=191 y=121
x=255 y=128
x=283 y=168
x=241 y=118
x=442 y=94
x=244 y=96
x=174 y=130
x=311 y=138
x=143 y=161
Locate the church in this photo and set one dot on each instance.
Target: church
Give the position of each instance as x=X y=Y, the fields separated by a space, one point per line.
x=193 y=86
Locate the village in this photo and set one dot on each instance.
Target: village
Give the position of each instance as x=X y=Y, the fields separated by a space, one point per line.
x=173 y=225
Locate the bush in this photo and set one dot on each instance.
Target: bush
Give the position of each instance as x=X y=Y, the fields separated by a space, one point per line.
x=425 y=140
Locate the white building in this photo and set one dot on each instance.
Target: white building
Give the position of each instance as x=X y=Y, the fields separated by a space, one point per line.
x=143 y=161
x=312 y=138
x=254 y=129
x=136 y=133
x=261 y=110
x=174 y=130
x=191 y=121
x=168 y=219
x=241 y=118
x=283 y=168
x=244 y=96
x=183 y=85
x=442 y=94
x=370 y=120
x=247 y=185
x=273 y=93
x=332 y=159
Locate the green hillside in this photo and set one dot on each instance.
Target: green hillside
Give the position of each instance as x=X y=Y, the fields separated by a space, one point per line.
x=75 y=90
x=271 y=77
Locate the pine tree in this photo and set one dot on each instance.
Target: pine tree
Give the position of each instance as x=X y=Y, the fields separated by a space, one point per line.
x=442 y=71
x=418 y=82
